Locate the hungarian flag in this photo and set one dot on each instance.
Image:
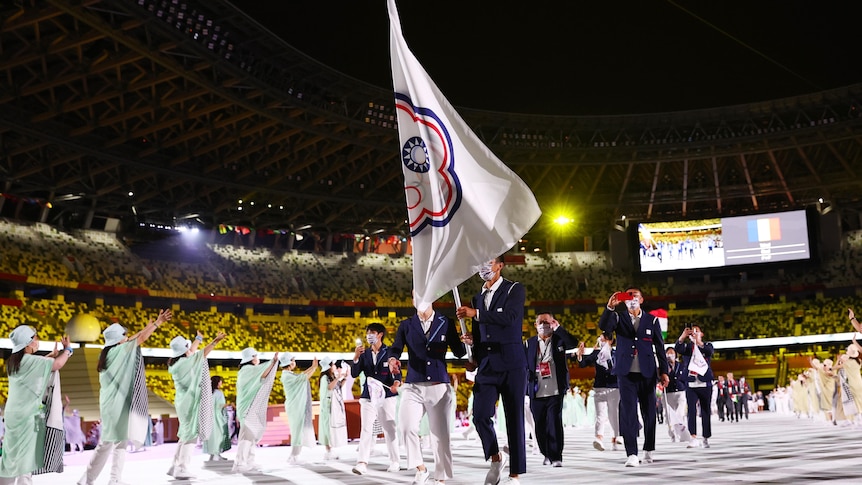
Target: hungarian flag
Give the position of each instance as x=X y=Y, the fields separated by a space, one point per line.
x=464 y=205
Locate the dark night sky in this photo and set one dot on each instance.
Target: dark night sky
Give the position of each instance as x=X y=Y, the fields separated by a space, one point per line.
x=576 y=57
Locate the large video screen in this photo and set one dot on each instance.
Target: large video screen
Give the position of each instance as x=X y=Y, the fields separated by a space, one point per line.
x=712 y=243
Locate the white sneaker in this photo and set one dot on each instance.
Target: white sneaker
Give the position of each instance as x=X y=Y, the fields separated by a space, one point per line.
x=291 y=460
x=557 y=464
x=360 y=469
x=394 y=467
x=510 y=481
x=420 y=477
x=694 y=443
x=648 y=457
x=705 y=443
x=632 y=461
x=493 y=475
x=598 y=445
x=329 y=455
x=614 y=445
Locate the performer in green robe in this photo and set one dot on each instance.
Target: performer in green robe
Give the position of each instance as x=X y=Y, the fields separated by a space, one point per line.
x=34 y=442
x=297 y=404
x=122 y=398
x=218 y=440
x=253 y=385
x=332 y=423
x=193 y=401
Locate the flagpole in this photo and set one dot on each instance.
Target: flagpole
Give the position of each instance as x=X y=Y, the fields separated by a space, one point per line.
x=457 y=297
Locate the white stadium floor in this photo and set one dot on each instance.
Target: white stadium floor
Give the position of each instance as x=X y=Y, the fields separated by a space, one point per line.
x=766 y=449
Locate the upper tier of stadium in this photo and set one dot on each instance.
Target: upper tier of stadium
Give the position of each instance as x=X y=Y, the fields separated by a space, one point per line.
x=163 y=111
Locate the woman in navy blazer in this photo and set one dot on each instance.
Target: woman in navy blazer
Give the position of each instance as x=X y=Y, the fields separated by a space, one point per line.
x=699 y=384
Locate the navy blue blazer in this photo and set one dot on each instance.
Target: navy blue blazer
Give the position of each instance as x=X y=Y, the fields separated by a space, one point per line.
x=497 y=332
x=646 y=344
x=379 y=371
x=686 y=349
x=427 y=355
x=605 y=378
x=677 y=377
x=560 y=342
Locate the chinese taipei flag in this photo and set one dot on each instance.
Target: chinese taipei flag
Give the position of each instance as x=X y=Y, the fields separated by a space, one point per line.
x=464 y=205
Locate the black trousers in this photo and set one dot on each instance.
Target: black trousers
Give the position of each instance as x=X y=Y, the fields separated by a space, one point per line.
x=637 y=391
x=702 y=395
x=510 y=386
x=548 y=415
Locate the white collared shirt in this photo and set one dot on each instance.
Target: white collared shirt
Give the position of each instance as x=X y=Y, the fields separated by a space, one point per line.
x=426 y=324
x=488 y=293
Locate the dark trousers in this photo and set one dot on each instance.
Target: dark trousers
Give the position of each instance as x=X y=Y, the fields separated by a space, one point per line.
x=637 y=390
x=742 y=406
x=730 y=406
x=510 y=386
x=548 y=415
x=719 y=403
x=702 y=395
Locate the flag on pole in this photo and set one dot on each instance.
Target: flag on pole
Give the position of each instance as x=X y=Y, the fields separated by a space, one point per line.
x=464 y=205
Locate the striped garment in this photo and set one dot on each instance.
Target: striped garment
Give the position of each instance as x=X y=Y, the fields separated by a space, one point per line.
x=55 y=437
x=205 y=411
x=139 y=412
x=254 y=420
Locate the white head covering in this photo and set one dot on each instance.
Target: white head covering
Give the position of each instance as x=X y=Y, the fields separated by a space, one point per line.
x=179 y=346
x=248 y=354
x=325 y=362
x=285 y=358
x=21 y=337
x=114 y=334
x=852 y=351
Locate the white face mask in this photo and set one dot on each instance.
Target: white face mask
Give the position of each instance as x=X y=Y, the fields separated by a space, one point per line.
x=486 y=272
x=371 y=338
x=633 y=304
x=544 y=330
x=671 y=357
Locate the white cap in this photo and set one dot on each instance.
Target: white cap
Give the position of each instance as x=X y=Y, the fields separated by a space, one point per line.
x=285 y=358
x=247 y=355
x=21 y=337
x=114 y=334
x=179 y=346
x=852 y=351
x=325 y=362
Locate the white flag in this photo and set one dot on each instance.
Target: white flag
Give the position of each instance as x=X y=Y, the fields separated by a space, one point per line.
x=464 y=206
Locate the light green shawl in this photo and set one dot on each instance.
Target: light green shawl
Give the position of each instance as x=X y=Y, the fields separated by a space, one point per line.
x=297 y=405
x=116 y=383
x=186 y=373
x=24 y=442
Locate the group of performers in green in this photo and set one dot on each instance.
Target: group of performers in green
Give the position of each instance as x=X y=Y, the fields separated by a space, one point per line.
x=34 y=404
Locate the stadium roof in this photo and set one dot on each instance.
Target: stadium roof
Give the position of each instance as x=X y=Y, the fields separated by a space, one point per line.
x=169 y=111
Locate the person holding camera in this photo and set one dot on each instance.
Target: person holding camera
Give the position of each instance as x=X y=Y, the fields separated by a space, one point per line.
x=641 y=361
x=697 y=356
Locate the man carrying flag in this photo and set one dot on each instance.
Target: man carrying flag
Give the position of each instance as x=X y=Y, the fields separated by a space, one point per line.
x=498 y=312
x=465 y=208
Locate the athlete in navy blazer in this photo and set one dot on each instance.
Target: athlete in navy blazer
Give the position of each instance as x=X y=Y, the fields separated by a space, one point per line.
x=698 y=387
x=547 y=409
x=499 y=353
x=427 y=389
x=638 y=350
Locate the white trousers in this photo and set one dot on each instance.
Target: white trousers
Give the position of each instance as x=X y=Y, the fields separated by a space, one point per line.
x=19 y=480
x=100 y=458
x=384 y=413
x=436 y=401
x=607 y=400
x=245 y=449
x=677 y=414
